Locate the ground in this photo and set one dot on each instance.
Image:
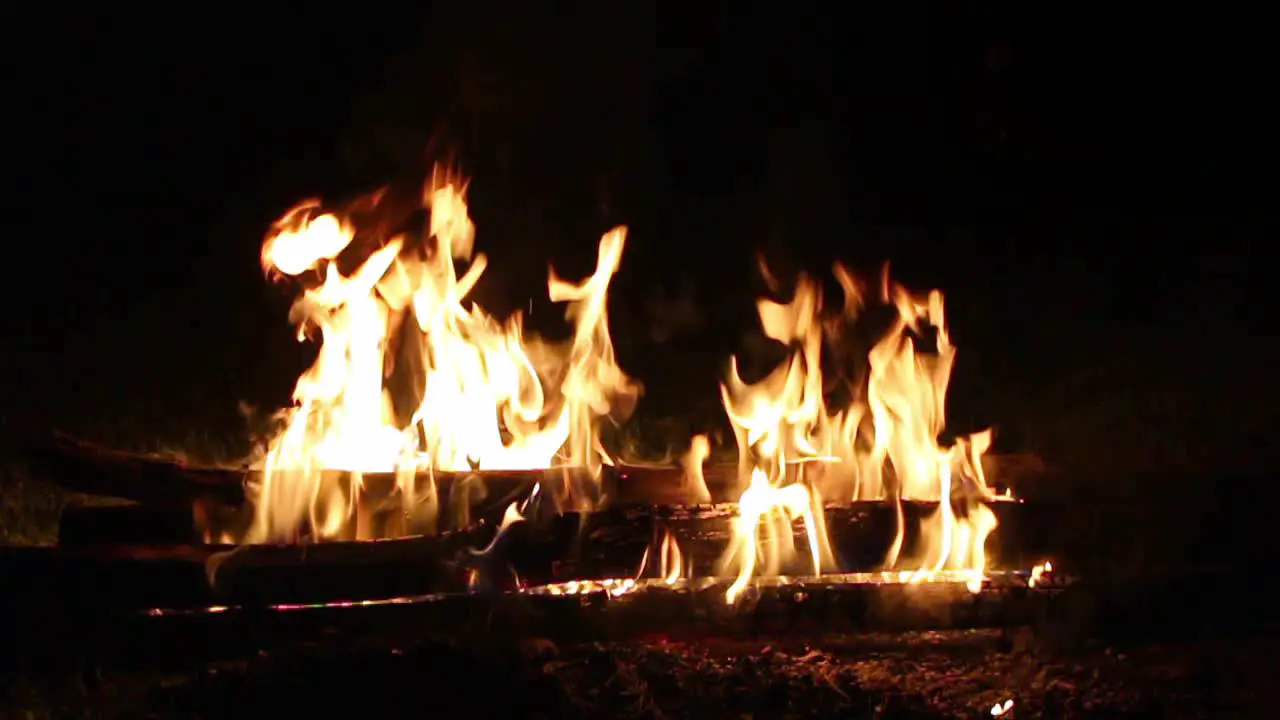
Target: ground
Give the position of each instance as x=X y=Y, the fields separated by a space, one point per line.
x=917 y=675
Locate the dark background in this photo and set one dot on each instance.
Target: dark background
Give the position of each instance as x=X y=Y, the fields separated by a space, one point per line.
x=1087 y=188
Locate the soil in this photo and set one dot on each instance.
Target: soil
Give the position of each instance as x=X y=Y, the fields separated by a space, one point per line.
x=913 y=675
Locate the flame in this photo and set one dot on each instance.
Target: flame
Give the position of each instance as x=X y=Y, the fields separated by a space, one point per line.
x=412 y=378
x=691 y=463
x=797 y=445
x=671 y=562
x=515 y=513
x=765 y=503
x=1038 y=573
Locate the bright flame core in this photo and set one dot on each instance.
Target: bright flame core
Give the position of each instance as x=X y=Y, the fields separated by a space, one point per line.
x=479 y=394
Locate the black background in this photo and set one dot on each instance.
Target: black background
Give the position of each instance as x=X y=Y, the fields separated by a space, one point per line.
x=1089 y=189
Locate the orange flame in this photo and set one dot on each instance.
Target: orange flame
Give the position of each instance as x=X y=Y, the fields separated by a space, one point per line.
x=795 y=449
x=671 y=561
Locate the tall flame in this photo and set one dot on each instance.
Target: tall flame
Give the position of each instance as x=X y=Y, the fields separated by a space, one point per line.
x=410 y=377
x=797 y=446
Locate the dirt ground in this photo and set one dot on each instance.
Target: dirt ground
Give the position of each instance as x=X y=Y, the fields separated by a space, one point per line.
x=952 y=674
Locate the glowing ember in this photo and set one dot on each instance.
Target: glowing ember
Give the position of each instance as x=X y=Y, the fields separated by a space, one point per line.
x=795 y=449
x=480 y=395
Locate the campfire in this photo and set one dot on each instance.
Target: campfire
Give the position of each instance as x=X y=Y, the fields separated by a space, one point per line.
x=443 y=475
x=415 y=387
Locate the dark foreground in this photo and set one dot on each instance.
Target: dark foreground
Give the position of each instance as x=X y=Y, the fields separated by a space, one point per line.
x=913 y=675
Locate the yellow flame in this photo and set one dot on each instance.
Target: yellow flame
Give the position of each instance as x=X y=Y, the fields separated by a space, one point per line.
x=696 y=483
x=773 y=507
x=882 y=443
x=671 y=561
x=410 y=377
x=1038 y=572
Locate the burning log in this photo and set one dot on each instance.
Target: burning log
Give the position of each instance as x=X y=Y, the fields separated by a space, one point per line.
x=89 y=468
x=614 y=543
x=686 y=611
x=555 y=548
x=153 y=480
x=160 y=482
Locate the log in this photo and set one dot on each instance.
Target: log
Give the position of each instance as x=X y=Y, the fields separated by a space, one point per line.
x=104 y=579
x=150 y=479
x=612 y=543
x=263 y=575
x=1081 y=613
x=549 y=547
x=690 y=612
x=88 y=468
x=87 y=525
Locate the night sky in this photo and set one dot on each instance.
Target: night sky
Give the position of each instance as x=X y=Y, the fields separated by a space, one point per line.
x=1089 y=191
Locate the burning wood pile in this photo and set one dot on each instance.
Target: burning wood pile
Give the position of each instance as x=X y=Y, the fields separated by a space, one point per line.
x=433 y=451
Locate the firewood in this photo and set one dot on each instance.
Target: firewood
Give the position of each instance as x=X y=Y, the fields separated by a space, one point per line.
x=88 y=468
x=150 y=479
x=87 y=525
x=548 y=547
x=690 y=613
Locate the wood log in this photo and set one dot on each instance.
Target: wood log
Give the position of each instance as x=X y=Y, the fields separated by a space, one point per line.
x=154 y=480
x=1140 y=609
x=698 y=611
x=548 y=547
x=88 y=468
x=86 y=525
x=612 y=543
x=116 y=578
x=261 y=575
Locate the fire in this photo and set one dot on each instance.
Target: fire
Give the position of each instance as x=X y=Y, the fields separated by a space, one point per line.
x=411 y=377
x=1038 y=572
x=798 y=445
x=671 y=561
x=777 y=506
x=691 y=464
